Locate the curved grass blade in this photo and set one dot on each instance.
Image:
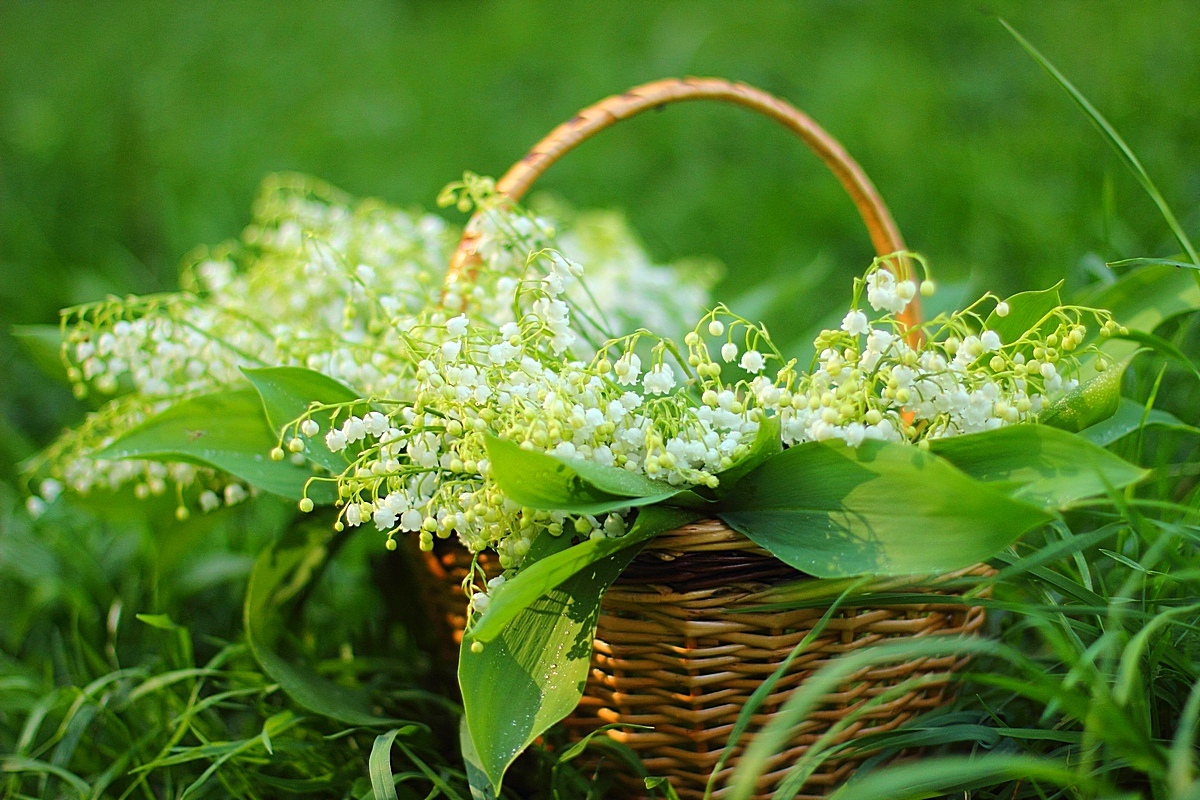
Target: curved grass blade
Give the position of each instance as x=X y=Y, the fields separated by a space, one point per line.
x=805 y=698
x=938 y=777
x=1149 y=262
x=1114 y=139
x=18 y=764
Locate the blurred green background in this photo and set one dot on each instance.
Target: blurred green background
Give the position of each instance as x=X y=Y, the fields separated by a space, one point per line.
x=131 y=132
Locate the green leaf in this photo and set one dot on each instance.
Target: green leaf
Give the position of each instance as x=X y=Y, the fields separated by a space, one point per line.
x=280 y=572
x=1025 y=311
x=537 y=579
x=532 y=674
x=883 y=508
x=538 y=480
x=19 y=764
x=1110 y=133
x=1147 y=262
x=944 y=776
x=1163 y=347
x=43 y=344
x=224 y=430
x=379 y=765
x=1146 y=297
x=767 y=443
x=477 y=779
x=160 y=621
x=1130 y=417
x=286 y=394
x=1088 y=403
x=1044 y=466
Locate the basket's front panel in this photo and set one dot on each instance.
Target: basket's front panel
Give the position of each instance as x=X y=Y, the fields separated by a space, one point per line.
x=685 y=663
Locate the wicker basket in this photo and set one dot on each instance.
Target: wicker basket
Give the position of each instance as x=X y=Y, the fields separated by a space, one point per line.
x=681 y=643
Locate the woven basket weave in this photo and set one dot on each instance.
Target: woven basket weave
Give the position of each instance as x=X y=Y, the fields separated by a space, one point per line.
x=681 y=642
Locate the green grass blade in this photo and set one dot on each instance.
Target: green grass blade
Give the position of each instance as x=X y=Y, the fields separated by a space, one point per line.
x=17 y=764
x=1180 y=766
x=936 y=777
x=380 y=766
x=1152 y=262
x=808 y=696
x=1114 y=138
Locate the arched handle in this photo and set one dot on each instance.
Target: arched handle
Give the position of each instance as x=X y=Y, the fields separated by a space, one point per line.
x=884 y=235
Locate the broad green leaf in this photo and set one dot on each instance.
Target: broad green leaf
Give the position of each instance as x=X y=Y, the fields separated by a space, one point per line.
x=481 y=785
x=883 y=508
x=1143 y=300
x=286 y=393
x=1025 y=311
x=43 y=344
x=767 y=443
x=539 y=480
x=532 y=674
x=279 y=574
x=224 y=430
x=1088 y=403
x=1130 y=417
x=536 y=579
x=1038 y=464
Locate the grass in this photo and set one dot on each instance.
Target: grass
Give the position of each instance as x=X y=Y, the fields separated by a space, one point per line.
x=125 y=669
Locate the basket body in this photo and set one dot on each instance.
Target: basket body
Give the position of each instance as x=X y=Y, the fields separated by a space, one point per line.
x=680 y=646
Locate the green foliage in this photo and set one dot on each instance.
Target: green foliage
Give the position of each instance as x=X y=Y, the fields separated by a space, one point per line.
x=1129 y=418
x=1041 y=465
x=537 y=480
x=1090 y=403
x=97 y=700
x=532 y=673
x=288 y=392
x=115 y=164
x=833 y=511
x=225 y=430
x=1027 y=311
x=281 y=572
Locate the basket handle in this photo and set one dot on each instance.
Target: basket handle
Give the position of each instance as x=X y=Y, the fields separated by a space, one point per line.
x=884 y=235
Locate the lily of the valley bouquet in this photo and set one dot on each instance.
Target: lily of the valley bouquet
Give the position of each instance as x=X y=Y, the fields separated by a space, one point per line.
x=544 y=408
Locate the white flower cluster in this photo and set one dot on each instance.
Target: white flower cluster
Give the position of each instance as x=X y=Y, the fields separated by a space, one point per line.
x=423 y=466
x=953 y=375
x=642 y=405
x=316 y=280
x=625 y=291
